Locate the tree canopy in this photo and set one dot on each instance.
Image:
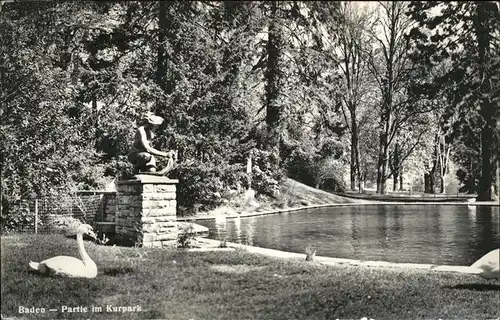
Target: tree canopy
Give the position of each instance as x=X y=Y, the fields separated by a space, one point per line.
x=317 y=91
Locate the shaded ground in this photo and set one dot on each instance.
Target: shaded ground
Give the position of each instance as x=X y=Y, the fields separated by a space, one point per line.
x=175 y=284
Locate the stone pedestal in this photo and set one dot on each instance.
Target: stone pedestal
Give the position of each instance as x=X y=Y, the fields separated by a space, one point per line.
x=146 y=211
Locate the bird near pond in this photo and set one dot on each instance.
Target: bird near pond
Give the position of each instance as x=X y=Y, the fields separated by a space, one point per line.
x=488 y=266
x=70 y=267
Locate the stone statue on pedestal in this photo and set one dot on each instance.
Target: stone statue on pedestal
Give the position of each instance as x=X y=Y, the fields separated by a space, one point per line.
x=142 y=154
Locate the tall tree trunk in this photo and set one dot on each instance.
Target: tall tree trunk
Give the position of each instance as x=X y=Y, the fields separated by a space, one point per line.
x=360 y=185
x=442 y=181
x=488 y=110
x=65 y=52
x=389 y=74
x=351 y=43
x=395 y=170
x=383 y=146
x=231 y=59
x=444 y=156
x=401 y=182
x=162 y=61
x=352 y=171
x=381 y=169
x=273 y=77
x=471 y=180
x=95 y=114
x=385 y=117
x=364 y=180
x=430 y=181
x=430 y=186
x=486 y=178
x=355 y=170
x=498 y=178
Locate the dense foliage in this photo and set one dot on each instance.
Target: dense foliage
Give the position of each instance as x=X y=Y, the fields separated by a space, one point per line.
x=312 y=90
x=465 y=37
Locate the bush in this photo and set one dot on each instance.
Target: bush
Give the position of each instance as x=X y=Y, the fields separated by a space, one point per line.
x=316 y=169
x=18 y=217
x=205 y=185
x=186 y=237
x=202 y=184
x=267 y=175
x=301 y=165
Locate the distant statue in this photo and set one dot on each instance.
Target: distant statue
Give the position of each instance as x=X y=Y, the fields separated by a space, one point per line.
x=142 y=154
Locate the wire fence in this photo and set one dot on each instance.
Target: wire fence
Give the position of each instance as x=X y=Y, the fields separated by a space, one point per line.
x=51 y=213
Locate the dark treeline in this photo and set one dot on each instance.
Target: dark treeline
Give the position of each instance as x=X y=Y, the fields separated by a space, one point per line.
x=316 y=91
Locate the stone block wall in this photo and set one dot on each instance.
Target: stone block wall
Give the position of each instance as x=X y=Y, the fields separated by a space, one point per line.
x=109 y=207
x=146 y=211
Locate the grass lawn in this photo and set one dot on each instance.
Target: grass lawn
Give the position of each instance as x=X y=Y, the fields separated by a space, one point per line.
x=175 y=284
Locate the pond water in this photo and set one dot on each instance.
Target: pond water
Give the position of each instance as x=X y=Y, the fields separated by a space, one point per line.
x=436 y=234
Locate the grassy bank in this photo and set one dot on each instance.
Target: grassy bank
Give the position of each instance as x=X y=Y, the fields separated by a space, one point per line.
x=293 y=194
x=174 y=284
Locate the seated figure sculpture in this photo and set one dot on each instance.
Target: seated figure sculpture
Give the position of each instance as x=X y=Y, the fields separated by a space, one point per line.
x=142 y=154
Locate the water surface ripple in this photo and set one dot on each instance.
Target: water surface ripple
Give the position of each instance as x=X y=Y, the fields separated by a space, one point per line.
x=433 y=233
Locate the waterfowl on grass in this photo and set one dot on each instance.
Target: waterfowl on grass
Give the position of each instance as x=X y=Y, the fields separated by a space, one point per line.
x=488 y=266
x=70 y=267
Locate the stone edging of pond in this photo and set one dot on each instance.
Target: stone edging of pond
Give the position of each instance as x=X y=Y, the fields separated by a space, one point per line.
x=329 y=260
x=332 y=261
x=362 y=203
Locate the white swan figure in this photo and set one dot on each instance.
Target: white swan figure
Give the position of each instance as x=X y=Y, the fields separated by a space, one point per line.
x=488 y=266
x=70 y=266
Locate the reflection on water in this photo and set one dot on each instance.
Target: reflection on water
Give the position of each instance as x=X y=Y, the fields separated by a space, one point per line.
x=439 y=234
x=220 y=223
